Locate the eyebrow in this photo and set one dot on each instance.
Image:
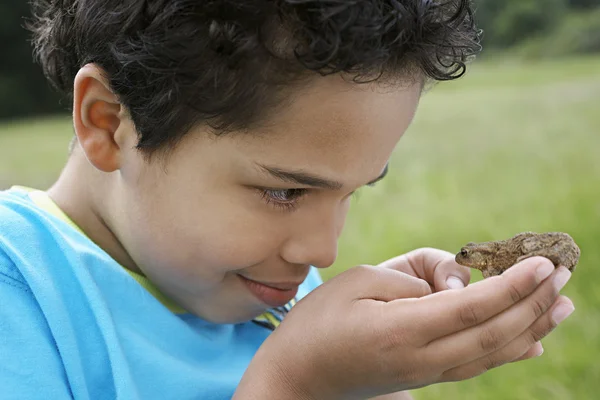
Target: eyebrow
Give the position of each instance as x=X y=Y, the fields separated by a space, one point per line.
x=303 y=178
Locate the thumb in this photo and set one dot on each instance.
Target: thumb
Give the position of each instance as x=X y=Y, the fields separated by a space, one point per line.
x=448 y=274
x=385 y=284
x=435 y=266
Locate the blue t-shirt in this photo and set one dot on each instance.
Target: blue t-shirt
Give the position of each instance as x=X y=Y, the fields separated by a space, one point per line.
x=75 y=324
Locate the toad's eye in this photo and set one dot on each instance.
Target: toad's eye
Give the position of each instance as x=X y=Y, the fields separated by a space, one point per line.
x=464 y=252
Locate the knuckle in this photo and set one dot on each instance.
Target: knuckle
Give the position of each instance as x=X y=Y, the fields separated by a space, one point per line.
x=490 y=363
x=424 y=288
x=365 y=271
x=469 y=315
x=539 y=307
x=490 y=340
x=514 y=292
x=535 y=335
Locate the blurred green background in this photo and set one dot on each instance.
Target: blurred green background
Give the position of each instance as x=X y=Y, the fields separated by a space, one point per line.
x=512 y=146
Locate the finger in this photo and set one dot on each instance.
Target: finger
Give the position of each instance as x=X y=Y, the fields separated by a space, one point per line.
x=433 y=265
x=404 y=263
x=534 y=351
x=451 y=275
x=499 y=331
x=518 y=349
x=451 y=311
x=384 y=284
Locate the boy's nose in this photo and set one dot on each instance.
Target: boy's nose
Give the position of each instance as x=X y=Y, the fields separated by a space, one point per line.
x=315 y=243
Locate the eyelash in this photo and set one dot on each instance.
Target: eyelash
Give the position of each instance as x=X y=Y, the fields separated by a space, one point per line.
x=275 y=201
x=290 y=204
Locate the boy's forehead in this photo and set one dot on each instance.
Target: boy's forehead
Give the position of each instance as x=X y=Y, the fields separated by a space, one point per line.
x=354 y=155
x=334 y=111
x=333 y=129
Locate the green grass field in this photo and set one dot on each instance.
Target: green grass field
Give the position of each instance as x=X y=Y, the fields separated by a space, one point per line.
x=510 y=147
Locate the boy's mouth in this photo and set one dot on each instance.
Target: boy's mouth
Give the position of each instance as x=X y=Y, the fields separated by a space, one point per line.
x=272 y=294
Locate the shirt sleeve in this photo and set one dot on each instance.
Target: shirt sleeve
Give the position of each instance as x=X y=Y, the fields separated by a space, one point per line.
x=30 y=365
x=312 y=281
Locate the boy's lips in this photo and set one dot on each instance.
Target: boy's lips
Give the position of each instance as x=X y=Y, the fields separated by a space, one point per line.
x=272 y=294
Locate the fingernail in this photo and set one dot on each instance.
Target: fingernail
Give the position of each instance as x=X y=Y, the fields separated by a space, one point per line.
x=561 y=313
x=561 y=278
x=541 y=351
x=454 y=283
x=544 y=271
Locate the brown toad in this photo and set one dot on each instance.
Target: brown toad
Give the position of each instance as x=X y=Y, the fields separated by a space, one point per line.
x=493 y=258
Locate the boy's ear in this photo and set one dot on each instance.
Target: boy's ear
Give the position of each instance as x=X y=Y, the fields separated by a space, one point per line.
x=98 y=119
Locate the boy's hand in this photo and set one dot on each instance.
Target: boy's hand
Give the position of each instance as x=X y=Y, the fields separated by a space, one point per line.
x=436 y=267
x=371 y=331
x=440 y=270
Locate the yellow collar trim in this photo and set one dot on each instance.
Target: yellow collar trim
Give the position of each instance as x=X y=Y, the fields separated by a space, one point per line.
x=42 y=200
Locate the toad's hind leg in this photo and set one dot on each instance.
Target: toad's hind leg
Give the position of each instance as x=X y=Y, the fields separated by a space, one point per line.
x=542 y=253
x=529 y=244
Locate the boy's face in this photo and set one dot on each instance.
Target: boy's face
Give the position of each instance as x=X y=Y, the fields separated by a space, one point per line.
x=227 y=217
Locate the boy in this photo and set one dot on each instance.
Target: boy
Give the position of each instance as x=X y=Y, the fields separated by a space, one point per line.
x=218 y=144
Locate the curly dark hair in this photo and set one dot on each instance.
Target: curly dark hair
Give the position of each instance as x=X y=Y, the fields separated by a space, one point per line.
x=177 y=63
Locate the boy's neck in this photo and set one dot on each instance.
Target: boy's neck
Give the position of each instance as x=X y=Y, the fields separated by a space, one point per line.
x=76 y=194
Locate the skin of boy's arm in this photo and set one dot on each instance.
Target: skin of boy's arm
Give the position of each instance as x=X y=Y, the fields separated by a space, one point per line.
x=264 y=380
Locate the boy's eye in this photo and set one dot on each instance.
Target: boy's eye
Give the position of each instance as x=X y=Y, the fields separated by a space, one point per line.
x=287 y=199
x=282 y=198
x=285 y=195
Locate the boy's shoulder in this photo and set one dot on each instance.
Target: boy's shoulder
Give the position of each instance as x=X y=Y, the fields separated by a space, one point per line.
x=18 y=211
x=12 y=202
x=17 y=225
x=28 y=232
x=21 y=218
x=24 y=211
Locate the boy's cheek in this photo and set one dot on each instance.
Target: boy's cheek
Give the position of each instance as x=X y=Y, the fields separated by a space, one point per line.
x=198 y=255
